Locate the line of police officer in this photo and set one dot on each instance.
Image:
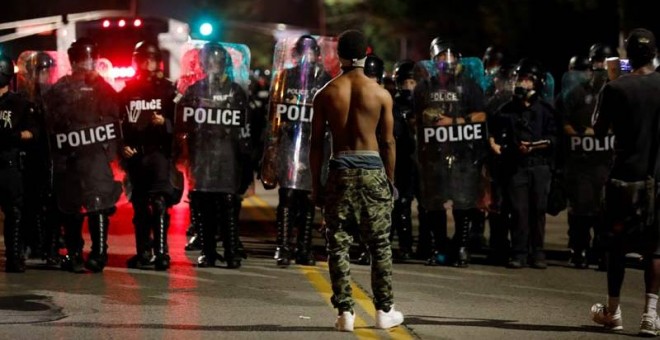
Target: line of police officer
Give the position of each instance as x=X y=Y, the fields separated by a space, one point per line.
x=512 y=165
x=76 y=127
x=444 y=143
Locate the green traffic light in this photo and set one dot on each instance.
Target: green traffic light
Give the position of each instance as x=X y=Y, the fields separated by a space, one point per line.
x=206 y=29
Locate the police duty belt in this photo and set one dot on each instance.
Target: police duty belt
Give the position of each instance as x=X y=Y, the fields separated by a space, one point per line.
x=85 y=137
x=457 y=133
x=590 y=144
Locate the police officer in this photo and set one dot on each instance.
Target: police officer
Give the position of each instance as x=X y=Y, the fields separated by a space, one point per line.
x=83 y=121
x=405 y=170
x=148 y=106
x=211 y=123
x=530 y=122
x=286 y=156
x=587 y=159
x=16 y=128
x=500 y=169
x=449 y=103
x=37 y=73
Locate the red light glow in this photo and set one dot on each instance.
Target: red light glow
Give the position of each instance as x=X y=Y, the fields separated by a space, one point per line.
x=106 y=23
x=122 y=23
x=137 y=23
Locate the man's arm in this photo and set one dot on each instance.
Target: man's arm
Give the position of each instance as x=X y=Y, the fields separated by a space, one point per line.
x=316 y=151
x=387 y=142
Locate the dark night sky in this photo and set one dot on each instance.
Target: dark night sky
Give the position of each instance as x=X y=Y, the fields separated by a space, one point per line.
x=551 y=31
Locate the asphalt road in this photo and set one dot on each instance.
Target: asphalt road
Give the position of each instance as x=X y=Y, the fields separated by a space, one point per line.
x=262 y=301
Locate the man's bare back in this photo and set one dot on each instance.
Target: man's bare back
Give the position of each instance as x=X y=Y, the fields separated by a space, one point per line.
x=359 y=114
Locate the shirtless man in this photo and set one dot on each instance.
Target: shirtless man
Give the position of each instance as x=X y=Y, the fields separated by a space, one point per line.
x=359 y=193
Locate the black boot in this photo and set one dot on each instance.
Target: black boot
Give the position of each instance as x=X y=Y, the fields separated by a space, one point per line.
x=98 y=230
x=206 y=205
x=73 y=261
x=579 y=239
x=402 y=223
x=194 y=230
x=241 y=249
x=13 y=241
x=424 y=238
x=52 y=242
x=142 y=258
x=284 y=228
x=477 y=241
x=304 y=254
x=463 y=222
x=437 y=223
x=161 y=223
x=230 y=235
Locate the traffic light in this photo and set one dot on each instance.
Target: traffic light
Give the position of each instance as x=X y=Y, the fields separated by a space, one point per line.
x=206 y=29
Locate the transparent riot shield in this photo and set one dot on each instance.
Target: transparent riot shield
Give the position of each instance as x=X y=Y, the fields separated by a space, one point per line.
x=83 y=127
x=451 y=147
x=301 y=66
x=37 y=72
x=211 y=116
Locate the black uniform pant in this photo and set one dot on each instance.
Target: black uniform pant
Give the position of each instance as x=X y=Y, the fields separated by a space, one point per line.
x=528 y=189
x=98 y=223
x=218 y=212
x=150 y=218
x=402 y=223
x=295 y=209
x=499 y=218
x=11 y=202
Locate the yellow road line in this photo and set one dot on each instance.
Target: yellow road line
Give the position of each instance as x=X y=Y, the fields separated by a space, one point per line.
x=362 y=329
x=313 y=275
x=366 y=303
x=263 y=208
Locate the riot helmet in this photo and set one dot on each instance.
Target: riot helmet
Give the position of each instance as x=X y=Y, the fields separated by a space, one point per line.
x=41 y=69
x=493 y=58
x=6 y=70
x=598 y=53
x=444 y=55
x=404 y=74
x=40 y=61
x=374 y=68
x=214 y=58
x=83 y=54
x=307 y=49
x=579 y=63
x=147 y=57
x=529 y=78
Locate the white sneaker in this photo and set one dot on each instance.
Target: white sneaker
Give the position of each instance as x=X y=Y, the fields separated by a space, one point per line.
x=390 y=319
x=601 y=316
x=650 y=325
x=345 y=322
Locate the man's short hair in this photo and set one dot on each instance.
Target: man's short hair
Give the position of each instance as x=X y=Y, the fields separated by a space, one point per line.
x=640 y=47
x=352 y=45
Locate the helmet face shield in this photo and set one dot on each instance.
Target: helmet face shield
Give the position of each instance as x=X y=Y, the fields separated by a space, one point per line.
x=446 y=61
x=83 y=55
x=307 y=50
x=147 y=57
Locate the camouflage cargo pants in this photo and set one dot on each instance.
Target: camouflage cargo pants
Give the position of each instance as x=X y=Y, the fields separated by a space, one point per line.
x=359 y=198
